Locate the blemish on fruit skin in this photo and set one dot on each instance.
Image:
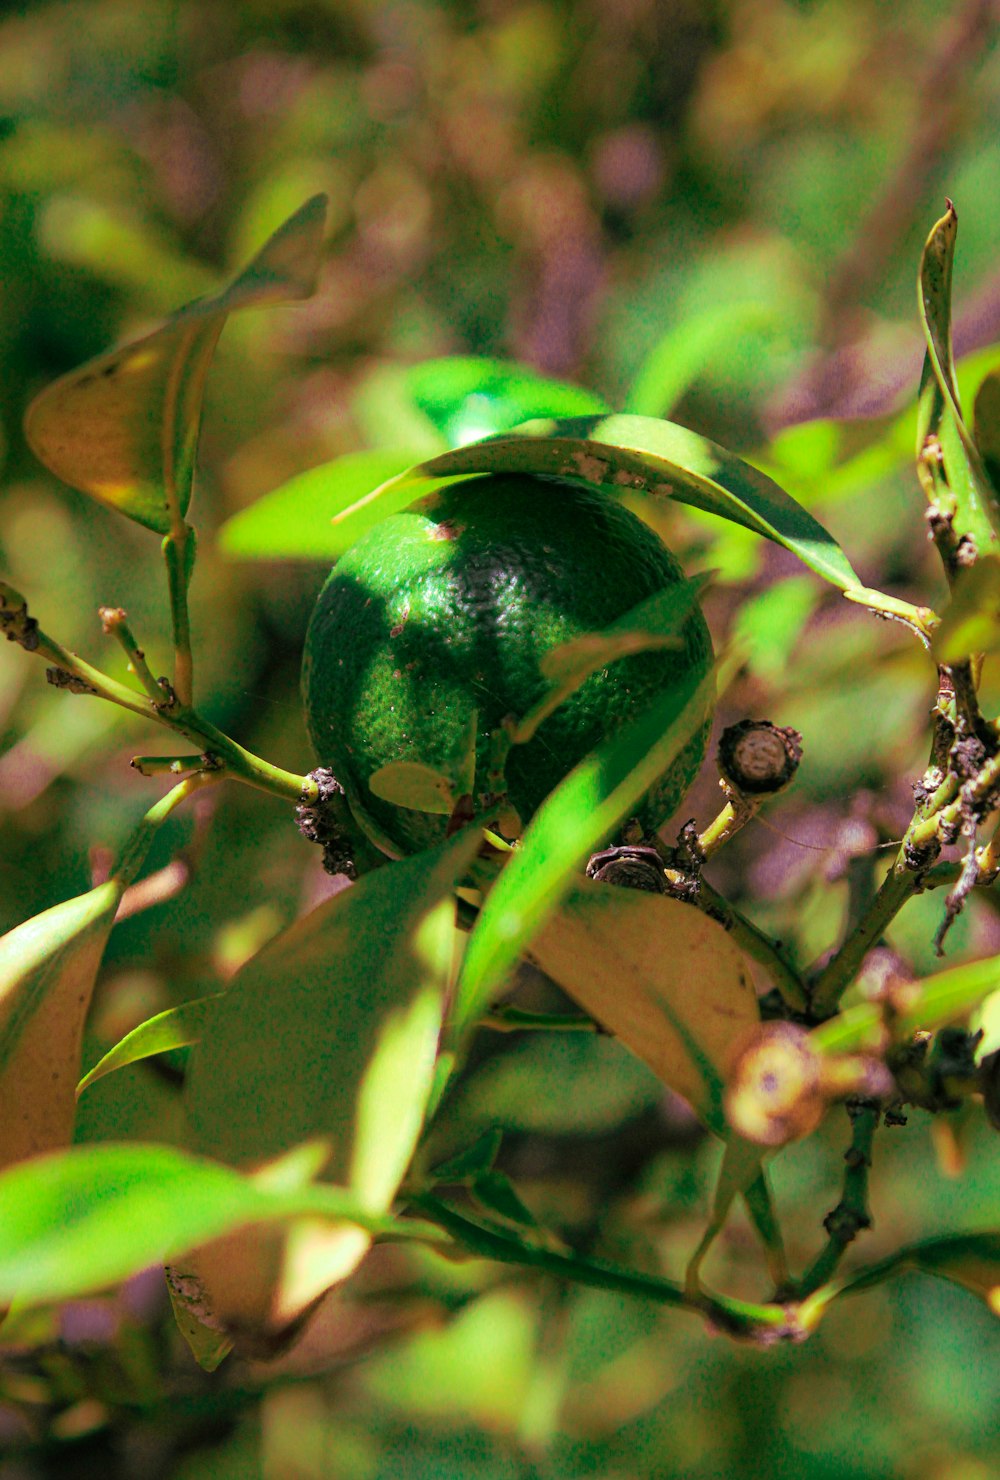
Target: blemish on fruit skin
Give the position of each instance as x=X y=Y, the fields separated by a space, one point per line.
x=446 y=530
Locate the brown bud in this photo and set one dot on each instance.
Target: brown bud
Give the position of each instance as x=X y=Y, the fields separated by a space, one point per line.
x=757 y=757
x=776 y=1094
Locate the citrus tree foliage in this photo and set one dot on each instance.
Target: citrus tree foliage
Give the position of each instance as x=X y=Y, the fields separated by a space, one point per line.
x=534 y=1112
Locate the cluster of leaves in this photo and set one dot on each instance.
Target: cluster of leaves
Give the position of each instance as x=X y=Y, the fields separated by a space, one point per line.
x=315 y=1070
x=760 y=122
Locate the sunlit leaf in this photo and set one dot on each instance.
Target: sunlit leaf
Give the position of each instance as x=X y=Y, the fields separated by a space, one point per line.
x=661 y=976
x=293 y=522
x=331 y=1031
x=682 y=355
x=967 y=497
x=124 y=427
x=80 y=1220
x=48 y=967
x=578 y=815
x=468 y=398
x=971 y=621
x=624 y=453
x=178 y=1027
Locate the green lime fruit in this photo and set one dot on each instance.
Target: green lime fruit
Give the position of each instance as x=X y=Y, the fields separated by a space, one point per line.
x=430 y=630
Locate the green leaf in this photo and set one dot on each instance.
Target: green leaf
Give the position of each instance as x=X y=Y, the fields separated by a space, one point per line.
x=124 y=427
x=178 y=1027
x=945 y=997
x=685 y=352
x=467 y=398
x=986 y=423
x=971 y=621
x=330 y=1032
x=634 y=454
x=496 y=1193
x=81 y=1220
x=472 y=1161
x=964 y=491
x=571 y=822
x=661 y=976
x=292 y=522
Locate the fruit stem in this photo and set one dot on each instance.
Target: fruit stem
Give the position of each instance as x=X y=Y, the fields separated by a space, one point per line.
x=219 y=756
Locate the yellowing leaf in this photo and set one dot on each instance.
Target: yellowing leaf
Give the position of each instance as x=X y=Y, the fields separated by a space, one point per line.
x=124 y=427
x=662 y=977
x=414 y=785
x=48 y=967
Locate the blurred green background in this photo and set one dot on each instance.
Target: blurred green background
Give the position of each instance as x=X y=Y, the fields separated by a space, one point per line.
x=729 y=199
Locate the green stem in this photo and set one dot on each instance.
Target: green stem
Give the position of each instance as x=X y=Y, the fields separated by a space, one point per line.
x=231 y=758
x=899 y=885
x=758 y=946
x=921 y=619
x=740 y=1318
x=115 y=624
x=735 y=815
x=178 y=552
x=135 y=850
x=851 y=1215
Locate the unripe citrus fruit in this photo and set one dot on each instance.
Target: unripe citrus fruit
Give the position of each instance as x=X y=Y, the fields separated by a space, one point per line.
x=432 y=627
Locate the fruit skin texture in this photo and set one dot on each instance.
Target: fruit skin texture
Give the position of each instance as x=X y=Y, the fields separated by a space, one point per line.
x=449 y=607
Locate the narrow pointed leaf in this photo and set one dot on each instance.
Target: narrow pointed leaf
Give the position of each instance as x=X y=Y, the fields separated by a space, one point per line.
x=178 y=1027
x=663 y=978
x=741 y=1169
x=969 y=496
x=124 y=427
x=578 y=815
x=331 y=1032
x=971 y=1260
x=292 y=522
x=636 y=454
